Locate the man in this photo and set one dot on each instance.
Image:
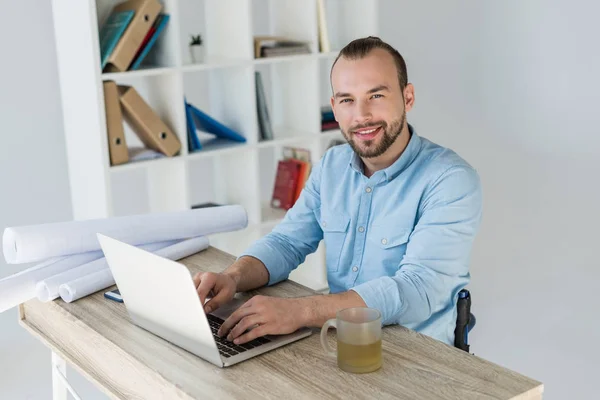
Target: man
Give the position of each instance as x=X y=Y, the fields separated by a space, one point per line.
x=398 y=214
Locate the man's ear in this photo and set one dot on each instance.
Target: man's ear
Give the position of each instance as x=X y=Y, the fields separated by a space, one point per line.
x=332 y=101
x=409 y=97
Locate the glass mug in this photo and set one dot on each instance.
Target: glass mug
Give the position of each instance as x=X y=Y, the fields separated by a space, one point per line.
x=358 y=339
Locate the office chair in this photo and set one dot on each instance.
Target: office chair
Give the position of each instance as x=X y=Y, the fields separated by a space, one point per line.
x=465 y=321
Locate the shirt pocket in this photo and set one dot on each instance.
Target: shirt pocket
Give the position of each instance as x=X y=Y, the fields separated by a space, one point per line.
x=334 y=225
x=389 y=242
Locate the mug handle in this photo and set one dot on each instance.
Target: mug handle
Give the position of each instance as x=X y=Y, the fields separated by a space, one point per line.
x=330 y=323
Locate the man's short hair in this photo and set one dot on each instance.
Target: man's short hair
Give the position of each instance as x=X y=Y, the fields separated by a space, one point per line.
x=359 y=48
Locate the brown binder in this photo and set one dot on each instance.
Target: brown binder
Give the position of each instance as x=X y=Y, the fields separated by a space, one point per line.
x=117 y=146
x=146 y=124
x=146 y=12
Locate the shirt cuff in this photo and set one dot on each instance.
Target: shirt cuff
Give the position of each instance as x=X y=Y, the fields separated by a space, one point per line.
x=382 y=295
x=270 y=257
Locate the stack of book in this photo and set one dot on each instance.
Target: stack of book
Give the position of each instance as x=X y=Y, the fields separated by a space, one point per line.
x=276 y=46
x=291 y=175
x=328 y=121
x=129 y=33
x=123 y=102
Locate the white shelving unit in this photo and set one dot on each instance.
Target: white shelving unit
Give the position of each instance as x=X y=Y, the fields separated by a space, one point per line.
x=223 y=86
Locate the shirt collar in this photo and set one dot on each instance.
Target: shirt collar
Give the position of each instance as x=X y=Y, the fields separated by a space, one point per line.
x=406 y=158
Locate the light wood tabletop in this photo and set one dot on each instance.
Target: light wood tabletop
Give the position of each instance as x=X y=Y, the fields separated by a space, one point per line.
x=96 y=337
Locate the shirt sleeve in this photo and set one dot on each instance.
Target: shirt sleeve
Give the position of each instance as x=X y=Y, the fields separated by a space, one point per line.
x=435 y=266
x=295 y=237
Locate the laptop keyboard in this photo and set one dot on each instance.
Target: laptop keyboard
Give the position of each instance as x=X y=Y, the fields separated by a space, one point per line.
x=227 y=348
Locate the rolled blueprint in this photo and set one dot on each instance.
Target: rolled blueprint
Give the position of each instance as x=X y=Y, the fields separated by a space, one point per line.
x=47 y=289
x=20 y=287
x=102 y=279
x=32 y=243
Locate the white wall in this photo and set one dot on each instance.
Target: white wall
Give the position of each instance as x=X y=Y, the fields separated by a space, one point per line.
x=33 y=175
x=513 y=86
x=510 y=85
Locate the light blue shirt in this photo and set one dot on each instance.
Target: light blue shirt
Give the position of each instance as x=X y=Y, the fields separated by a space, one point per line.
x=401 y=239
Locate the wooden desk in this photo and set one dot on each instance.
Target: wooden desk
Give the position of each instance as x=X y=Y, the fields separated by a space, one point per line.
x=96 y=337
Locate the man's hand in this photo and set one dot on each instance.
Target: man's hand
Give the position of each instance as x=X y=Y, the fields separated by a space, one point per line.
x=222 y=287
x=264 y=316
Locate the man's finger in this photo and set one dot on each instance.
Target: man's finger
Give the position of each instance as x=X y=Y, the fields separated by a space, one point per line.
x=244 y=324
x=234 y=318
x=198 y=278
x=259 y=331
x=205 y=286
x=217 y=301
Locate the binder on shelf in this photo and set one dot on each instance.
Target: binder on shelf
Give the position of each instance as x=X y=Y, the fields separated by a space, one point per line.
x=117 y=146
x=198 y=120
x=147 y=125
x=264 y=121
x=291 y=176
x=193 y=141
x=286 y=180
x=111 y=32
x=150 y=40
x=145 y=13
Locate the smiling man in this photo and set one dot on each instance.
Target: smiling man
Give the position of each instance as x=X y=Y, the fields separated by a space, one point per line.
x=398 y=215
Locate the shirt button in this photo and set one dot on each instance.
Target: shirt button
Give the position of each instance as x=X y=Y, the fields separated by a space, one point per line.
x=383 y=241
x=354 y=269
x=324 y=223
x=368 y=189
x=361 y=229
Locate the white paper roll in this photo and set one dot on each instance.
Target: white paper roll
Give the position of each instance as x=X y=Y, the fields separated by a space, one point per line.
x=86 y=285
x=20 y=287
x=102 y=279
x=34 y=243
x=47 y=289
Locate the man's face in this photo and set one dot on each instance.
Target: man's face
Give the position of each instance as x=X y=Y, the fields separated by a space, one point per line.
x=368 y=103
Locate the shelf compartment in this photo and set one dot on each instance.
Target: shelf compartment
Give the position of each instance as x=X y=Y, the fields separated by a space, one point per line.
x=226 y=95
x=290 y=90
x=272 y=18
x=202 y=182
x=236 y=180
x=219 y=40
x=160 y=187
x=164 y=53
x=163 y=93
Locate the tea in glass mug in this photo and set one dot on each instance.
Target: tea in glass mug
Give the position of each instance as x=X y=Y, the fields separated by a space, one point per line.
x=358 y=339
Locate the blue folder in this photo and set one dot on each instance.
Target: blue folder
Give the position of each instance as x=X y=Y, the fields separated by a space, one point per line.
x=205 y=123
x=193 y=141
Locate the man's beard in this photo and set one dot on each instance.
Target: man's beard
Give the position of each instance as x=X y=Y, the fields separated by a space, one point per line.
x=389 y=136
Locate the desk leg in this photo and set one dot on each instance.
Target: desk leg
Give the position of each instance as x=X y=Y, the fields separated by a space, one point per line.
x=59 y=389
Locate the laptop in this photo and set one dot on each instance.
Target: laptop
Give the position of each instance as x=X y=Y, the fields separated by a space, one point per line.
x=160 y=297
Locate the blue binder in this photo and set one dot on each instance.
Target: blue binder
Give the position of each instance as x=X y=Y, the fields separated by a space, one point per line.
x=204 y=122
